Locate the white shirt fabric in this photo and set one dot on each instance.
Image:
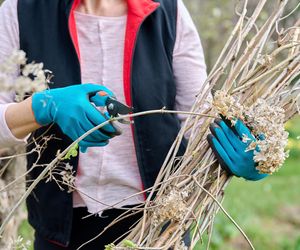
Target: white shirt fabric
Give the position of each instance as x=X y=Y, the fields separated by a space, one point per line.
x=108 y=175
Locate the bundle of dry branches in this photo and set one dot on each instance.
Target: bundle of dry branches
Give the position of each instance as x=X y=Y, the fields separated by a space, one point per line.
x=258 y=65
x=252 y=68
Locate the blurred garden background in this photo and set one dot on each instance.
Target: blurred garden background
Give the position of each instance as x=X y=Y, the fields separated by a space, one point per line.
x=269 y=210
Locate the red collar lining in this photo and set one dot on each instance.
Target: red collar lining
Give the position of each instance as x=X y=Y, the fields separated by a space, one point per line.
x=141 y=8
x=72 y=27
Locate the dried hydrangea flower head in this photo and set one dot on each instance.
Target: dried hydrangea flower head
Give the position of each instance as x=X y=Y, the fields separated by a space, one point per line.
x=22 y=78
x=170 y=206
x=266 y=123
x=228 y=107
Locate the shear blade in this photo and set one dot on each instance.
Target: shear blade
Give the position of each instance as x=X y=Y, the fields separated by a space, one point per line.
x=116 y=108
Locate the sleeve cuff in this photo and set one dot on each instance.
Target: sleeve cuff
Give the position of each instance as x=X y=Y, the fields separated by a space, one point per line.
x=7 y=139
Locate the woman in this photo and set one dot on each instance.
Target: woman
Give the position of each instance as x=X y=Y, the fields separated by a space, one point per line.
x=149 y=55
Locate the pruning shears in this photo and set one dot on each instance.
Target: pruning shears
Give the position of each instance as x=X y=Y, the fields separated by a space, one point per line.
x=113 y=106
x=116 y=108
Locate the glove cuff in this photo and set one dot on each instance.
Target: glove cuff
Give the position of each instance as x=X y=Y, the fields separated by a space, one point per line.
x=41 y=103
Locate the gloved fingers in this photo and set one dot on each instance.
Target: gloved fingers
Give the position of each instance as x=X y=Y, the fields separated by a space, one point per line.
x=261 y=136
x=242 y=130
x=91 y=89
x=96 y=117
x=100 y=97
x=233 y=138
x=73 y=133
x=223 y=140
x=114 y=124
x=97 y=135
x=229 y=124
x=85 y=144
x=78 y=130
x=220 y=153
x=83 y=149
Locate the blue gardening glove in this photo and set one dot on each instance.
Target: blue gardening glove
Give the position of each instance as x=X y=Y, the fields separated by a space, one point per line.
x=71 y=109
x=230 y=150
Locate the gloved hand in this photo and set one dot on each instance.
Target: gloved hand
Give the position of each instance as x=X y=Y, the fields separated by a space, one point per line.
x=71 y=109
x=230 y=150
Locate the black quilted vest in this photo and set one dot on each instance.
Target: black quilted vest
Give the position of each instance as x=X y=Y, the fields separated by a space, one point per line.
x=48 y=35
